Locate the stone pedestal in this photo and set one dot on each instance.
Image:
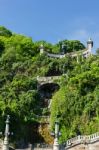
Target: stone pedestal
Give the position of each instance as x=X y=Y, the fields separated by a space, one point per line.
x=56 y=144
x=5 y=144
x=6 y=139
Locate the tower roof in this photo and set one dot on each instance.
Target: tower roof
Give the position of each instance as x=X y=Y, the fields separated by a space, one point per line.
x=89 y=41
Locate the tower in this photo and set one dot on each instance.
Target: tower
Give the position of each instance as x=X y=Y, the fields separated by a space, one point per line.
x=89 y=45
x=41 y=49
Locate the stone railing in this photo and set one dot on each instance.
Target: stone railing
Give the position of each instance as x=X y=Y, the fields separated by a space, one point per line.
x=82 y=139
x=85 y=53
x=47 y=79
x=56 y=55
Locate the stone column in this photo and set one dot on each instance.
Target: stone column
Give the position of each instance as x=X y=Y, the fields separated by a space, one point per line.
x=56 y=144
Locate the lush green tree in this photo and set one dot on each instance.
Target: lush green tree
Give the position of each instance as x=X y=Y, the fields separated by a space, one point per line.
x=79 y=102
x=1 y=47
x=5 y=32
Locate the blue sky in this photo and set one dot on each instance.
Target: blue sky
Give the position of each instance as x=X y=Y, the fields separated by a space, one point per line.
x=52 y=20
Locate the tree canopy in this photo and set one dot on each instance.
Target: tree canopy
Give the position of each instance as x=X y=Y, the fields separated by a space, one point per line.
x=5 y=32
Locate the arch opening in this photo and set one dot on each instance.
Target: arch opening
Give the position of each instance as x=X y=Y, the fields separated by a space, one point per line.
x=46 y=92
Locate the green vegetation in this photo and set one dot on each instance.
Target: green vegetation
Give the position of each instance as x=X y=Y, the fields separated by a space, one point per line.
x=5 y=32
x=77 y=101
x=67 y=46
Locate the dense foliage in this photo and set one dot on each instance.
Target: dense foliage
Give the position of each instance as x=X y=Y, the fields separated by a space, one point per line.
x=5 y=32
x=77 y=101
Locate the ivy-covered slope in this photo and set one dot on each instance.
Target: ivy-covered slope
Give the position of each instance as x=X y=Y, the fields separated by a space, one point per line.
x=76 y=103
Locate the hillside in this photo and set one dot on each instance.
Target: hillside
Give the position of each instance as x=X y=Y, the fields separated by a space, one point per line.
x=76 y=100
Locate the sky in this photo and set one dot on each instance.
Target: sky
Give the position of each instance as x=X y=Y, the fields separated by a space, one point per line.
x=52 y=20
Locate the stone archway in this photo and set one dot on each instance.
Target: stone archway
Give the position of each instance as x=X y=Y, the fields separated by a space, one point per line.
x=46 y=91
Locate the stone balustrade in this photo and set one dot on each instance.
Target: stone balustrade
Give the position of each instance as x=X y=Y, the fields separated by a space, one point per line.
x=82 y=139
x=56 y=55
x=84 y=53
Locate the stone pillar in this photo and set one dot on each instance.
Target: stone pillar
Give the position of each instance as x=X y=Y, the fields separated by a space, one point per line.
x=89 y=46
x=6 y=138
x=41 y=49
x=56 y=144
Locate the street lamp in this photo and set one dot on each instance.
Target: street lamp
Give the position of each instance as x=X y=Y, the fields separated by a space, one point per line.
x=6 y=138
x=56 y=136
x=56 y=128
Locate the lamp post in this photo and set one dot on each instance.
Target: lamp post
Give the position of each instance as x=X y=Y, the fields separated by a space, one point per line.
x=6 y=138
x=56 y=134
